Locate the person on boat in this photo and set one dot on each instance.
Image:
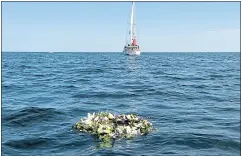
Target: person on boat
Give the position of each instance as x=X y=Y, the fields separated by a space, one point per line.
x=134 y=42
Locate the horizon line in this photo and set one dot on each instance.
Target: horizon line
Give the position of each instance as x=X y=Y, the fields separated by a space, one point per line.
x=119 y=52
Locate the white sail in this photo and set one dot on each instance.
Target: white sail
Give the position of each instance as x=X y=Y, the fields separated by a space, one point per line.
x=132 y=48
x=132 y=21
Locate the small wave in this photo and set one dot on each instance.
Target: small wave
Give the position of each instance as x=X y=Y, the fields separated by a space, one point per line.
x=29 y=143
x=71 y=86
x=158 y=73
x=65 y=86
x=214 y=98
x=173 y=94
x=91 y=71
x=213 y=76
x=39 y=75
x=204 y=141
x=25 y=67
x=29 y=115
x=143 y=90
x=105 y=95
x=6 y=86
x=198 y=86
x=83 y=80
x=186 y=78
x=11 y=86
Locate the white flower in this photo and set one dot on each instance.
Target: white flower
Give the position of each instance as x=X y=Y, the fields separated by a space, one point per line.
x=112 y=134
x=100 y=129
x=105 y=118
x=96 y=118
x=134 y=132
x=91 y=116
x=110 y=116
x=128 y=129
x=128 y=117
x=88 y=122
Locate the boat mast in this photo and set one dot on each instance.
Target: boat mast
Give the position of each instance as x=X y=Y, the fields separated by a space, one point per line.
x=132 y=21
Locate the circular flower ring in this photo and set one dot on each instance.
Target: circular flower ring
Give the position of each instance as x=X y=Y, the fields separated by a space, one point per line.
x=107 y=125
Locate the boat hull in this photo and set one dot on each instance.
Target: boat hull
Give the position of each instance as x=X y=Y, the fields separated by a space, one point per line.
x=132 y=51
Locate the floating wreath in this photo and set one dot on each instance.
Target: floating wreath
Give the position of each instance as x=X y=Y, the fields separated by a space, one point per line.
x=110 y=126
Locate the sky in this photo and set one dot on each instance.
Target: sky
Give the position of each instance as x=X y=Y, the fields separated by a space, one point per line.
x=103 y=26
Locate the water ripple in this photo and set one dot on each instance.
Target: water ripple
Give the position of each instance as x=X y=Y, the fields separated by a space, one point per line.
x=192 y=100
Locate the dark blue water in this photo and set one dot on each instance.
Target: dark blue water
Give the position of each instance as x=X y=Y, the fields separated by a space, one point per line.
x=192 y=99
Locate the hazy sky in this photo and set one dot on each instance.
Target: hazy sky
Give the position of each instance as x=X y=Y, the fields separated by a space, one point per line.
x=103 y=26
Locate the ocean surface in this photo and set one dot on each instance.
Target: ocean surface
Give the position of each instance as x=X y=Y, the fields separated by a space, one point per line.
x=192 y=99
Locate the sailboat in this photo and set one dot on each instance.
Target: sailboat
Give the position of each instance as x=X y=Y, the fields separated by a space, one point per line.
x=131 y=47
